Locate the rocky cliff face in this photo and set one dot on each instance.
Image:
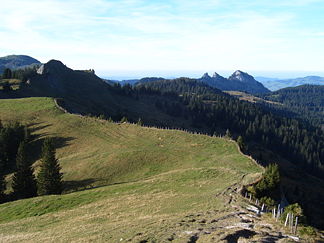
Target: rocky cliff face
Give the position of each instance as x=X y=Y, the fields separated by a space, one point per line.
x=238 y=81
x=242 y=77
x=82 y=91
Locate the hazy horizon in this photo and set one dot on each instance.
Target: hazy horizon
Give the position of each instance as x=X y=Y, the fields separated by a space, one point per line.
x=126 y=75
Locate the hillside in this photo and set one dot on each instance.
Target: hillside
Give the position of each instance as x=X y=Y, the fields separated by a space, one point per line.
x=181 y=103
x=305 y=100
x=188 y=104
x=16 y=61
x=248 y=97
x=106 y=152
x=83 y=92
x=156 y=178
x=238 y=81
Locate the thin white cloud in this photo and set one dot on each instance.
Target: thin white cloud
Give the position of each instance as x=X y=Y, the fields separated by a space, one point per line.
x=137 y=34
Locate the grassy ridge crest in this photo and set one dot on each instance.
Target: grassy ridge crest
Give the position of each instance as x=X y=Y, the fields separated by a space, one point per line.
x=142 y=179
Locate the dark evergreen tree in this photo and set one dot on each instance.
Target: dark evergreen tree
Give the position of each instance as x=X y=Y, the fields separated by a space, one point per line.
x=6 y=73
x=240 y=143
x=2 y=188
x=23 y=182
x=270 y=182
x=11 y=136
x=49 y=178
x=2 y=158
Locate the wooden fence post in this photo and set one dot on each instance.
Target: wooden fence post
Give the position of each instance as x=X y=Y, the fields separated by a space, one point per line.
x=296 y=222
x=278 y=211
x=287 y=217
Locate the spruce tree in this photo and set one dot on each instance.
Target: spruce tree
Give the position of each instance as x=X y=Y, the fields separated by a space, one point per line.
x=7 y=74
x=49 y=178
x=2 y=188
x=241 y=143
x=23 y=182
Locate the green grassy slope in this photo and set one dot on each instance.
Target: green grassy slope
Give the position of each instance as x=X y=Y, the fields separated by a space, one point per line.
x=104 y=152
x=154 y=177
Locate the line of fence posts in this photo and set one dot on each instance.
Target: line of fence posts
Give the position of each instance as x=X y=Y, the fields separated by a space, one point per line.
x=291 y=222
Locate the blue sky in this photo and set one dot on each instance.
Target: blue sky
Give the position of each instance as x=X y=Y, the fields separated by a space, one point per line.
x=146 y=37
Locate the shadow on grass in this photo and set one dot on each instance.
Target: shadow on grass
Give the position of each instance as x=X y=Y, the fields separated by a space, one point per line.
x=37 y=140
x=87 y=184
x=34 y=127
x=79 y=185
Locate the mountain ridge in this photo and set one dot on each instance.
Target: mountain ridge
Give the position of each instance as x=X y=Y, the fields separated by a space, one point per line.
x=180 y=103
x=238 y=81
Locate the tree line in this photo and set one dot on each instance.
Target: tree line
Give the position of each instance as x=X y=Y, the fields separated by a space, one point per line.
x=305 y=101
x=14 y=157
x=22 y=74
x=211 y=111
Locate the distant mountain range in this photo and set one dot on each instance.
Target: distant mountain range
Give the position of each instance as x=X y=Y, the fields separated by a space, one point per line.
x=276 y=84
x=16 y=61
x=238 y=81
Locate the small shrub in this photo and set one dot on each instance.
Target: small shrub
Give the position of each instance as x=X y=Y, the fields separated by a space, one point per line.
x=297 y=210
x=269 y=182
x=101 y=117
x=307 y=231
x=139 y=122
x=269 y=202
x=124 y=119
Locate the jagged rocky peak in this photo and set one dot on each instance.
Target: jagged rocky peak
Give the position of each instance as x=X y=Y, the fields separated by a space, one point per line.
x=51 y=66
x=206 y=76
x=217 y=76
x=242 y=76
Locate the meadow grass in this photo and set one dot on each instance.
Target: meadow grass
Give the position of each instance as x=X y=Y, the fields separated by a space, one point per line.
x=143 y=180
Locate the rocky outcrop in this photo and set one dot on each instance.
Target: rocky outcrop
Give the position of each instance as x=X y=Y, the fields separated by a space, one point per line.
x=238 y=81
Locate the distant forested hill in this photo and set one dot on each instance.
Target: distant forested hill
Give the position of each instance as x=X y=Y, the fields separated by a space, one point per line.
x=305 y=100
x=16 y=61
